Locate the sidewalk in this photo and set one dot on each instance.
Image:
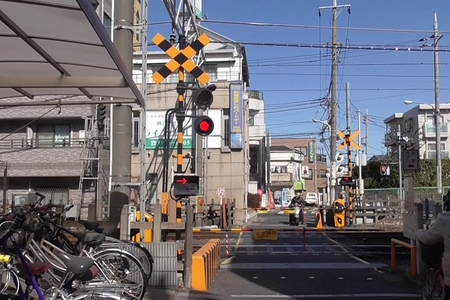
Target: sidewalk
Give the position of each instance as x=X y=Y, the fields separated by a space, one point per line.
x=159 y=294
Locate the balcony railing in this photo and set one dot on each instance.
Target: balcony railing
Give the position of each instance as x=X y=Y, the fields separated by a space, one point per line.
x=41 y=143
x=429 y=130
x=281 y=177
x=431 y=154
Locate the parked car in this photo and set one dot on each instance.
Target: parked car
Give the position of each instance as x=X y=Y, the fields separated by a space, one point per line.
x=312 y=199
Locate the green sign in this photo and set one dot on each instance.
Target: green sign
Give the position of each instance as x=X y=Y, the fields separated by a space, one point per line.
x=157 y=143
x=311 y=151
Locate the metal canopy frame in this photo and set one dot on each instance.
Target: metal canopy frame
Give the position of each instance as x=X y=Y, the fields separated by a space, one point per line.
x=59 y=47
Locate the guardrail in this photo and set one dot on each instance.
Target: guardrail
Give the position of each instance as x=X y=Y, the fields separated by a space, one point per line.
x=205 y=264
x=394 y=244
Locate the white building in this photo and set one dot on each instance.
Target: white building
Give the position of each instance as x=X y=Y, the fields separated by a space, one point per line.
x=417 y=129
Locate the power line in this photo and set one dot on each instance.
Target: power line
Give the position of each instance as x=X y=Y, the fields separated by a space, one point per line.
x=261 y=24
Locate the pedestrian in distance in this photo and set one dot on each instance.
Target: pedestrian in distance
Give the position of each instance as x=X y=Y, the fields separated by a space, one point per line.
x=439 y=233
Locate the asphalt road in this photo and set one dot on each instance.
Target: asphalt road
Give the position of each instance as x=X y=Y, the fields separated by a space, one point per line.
x=297 y=266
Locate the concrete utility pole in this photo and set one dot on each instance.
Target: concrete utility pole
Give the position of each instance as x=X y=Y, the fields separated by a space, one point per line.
x=349 y=155
x=121 y=114
x=333 y=103
x=400 y=166
x=366 y=139
x=360 y=161
x=437 y=115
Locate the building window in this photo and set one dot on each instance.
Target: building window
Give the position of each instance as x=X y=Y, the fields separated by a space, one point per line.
x=226 y=128
x=251 y=121
x=278 y=169
x=107 y=23
x=58 y=196
x=135 y=135
x=432 y=146
x=253 y=160
x=53 y=135
x=323 y=173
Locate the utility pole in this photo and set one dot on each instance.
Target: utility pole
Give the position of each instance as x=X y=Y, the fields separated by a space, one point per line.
x=122 y=114
x=349 y=155
x=366 y=140
x=333 y=103
x=400 y=175
x=360 y=161
x=436 y=38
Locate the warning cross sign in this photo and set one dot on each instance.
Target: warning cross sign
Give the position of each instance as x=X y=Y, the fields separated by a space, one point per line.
x=348 y=140
x=181 y=59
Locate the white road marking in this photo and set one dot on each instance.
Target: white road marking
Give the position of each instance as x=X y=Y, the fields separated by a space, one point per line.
x=330 y=296
x=317 y=265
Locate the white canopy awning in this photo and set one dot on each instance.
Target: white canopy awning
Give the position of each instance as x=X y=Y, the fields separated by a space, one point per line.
x=59 y=47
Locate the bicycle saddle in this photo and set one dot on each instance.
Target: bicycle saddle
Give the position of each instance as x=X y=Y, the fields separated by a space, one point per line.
x=75 y=264
x=89 y=225
x=91 y=238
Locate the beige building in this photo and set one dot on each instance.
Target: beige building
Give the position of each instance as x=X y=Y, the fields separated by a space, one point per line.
x=285 y=166
x=221 y=159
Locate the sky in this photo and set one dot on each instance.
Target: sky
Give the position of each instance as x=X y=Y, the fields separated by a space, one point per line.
x=293 y=79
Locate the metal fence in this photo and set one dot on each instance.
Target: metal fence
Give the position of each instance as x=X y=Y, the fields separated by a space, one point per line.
x=384 y=207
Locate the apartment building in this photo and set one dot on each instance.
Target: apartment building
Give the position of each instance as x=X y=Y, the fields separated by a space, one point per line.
x=416 y=128
x=297 y=162
x=222 y=158
x=45 y=148
x=259 y=143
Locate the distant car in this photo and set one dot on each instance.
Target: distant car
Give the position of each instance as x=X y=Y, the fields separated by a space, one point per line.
x=312 y=199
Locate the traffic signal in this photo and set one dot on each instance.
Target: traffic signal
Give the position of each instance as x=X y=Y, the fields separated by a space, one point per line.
x=203 y=98
x=203 y=125
x=101 y=116
x=346 y=181
x=185 y=185
x=384 y=170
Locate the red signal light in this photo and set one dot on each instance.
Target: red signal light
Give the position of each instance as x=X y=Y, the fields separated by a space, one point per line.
x=203 y=125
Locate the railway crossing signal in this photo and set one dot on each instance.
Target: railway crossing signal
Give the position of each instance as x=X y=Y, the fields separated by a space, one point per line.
x=185 y=185
x=203 y=125
x=348 y=140
x=181 y=59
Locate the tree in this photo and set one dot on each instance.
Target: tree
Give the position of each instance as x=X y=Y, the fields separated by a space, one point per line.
x=425 y=177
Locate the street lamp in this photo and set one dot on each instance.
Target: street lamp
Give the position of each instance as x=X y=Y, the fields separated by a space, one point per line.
x=437 y=124
x=332 y=163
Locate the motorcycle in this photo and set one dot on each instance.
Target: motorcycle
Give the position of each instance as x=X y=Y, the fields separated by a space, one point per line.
x=296 y=215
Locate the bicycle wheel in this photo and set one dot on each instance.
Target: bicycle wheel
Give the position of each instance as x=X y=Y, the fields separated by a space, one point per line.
x=431 y=287
x=141 y=253
x=121 y=273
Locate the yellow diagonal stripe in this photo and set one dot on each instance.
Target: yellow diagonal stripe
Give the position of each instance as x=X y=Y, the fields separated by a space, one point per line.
x=188 y=52
x=204 y=39
x=157 y=39
x=188 y=65
x=354 y=135
x=354 y=145
x=172 y=65
x=341 y=134
x=204 y=78
x=157 y=78
x=341 y=146
x=172 y=52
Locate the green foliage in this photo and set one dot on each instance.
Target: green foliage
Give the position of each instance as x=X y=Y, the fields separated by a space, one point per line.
x=425 y=177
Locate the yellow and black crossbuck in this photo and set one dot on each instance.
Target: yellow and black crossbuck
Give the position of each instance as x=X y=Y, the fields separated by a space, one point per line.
x=181 y=59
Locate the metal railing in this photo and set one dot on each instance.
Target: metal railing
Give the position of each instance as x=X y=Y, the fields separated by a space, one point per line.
x=41 y=143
